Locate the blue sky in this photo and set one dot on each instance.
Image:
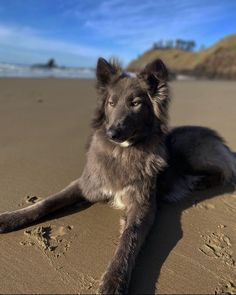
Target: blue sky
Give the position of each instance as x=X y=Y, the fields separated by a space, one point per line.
x=76 y=32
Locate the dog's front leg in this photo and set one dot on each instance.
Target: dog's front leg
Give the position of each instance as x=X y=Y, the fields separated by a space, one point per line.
x=138 y=222
x=12 y=220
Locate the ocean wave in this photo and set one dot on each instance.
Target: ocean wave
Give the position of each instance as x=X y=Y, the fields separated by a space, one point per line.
x=12 y=70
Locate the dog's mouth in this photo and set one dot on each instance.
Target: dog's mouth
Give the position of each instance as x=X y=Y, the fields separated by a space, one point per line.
x=124 y=142
x=121 y=137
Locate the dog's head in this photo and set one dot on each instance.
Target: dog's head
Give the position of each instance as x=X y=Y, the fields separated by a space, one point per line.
x=130 y=108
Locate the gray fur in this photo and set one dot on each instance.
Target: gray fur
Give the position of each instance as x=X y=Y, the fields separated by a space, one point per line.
x=133 y=161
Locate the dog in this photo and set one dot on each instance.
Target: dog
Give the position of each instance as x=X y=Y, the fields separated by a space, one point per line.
x=134 y=160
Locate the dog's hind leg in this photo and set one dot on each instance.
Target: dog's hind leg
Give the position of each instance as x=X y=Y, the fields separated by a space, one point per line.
x=217 y=163
x=201 y=151
x=12 y=220
x=181 y=188
x=174 y=185
x=206 y=169
x=136 y=227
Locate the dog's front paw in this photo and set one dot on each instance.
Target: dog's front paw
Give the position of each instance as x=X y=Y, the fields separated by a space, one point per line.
x=8 y=222
x=112 y=283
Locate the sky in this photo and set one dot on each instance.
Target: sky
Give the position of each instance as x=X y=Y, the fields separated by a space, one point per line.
x=77 y=32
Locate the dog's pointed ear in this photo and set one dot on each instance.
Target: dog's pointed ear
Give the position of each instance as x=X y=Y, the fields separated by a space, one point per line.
x=154 y=72
x=105 y=71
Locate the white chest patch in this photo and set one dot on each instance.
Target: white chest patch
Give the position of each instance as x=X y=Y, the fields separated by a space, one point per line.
x=118 y=198
x=125 y=143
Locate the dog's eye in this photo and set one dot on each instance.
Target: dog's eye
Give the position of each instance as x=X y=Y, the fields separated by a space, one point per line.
x=111 y=103
x=135 y=103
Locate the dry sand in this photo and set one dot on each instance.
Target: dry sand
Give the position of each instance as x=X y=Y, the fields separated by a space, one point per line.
x=44 y=124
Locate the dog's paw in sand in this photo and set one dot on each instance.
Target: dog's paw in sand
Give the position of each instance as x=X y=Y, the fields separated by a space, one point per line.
x=8 y=221
x=111 y=287
x=113 y=282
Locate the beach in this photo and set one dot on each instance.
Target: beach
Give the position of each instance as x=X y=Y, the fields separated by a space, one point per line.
x=44 y=126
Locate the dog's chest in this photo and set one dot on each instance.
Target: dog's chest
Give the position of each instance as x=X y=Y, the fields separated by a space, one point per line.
x=118 y=199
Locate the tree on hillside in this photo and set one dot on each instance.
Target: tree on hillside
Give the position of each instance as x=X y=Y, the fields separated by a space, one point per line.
x=158 y=45
x=169 y=44
x=189 y=45
x=186 y=45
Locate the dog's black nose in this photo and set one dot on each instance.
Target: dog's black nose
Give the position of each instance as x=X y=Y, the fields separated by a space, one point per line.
x=113 y=133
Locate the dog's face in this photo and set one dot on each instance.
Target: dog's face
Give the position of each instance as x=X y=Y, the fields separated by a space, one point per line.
x=128 y=110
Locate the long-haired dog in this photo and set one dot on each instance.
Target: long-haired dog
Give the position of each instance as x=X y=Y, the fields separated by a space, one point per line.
x=134 y=160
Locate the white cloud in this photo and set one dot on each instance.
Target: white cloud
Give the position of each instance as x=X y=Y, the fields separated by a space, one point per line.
x=136 y=23
x=27 y=39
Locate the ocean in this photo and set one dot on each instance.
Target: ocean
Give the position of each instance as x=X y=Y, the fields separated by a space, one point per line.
x=24 y=71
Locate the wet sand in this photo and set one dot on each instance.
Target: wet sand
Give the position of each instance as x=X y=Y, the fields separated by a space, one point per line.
x=44 y=125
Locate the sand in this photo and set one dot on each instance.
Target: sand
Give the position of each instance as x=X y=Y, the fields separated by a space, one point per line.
x=44 y=125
